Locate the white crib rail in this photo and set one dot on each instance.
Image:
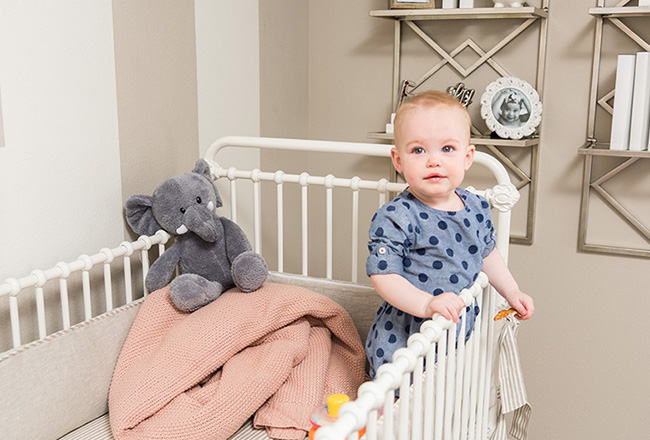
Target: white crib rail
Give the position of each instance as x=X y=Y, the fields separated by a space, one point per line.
x=502 y=196
x=35 y=283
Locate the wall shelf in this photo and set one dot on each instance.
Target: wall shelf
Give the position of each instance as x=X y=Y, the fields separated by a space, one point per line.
x=524 y=19
x=611 y=163
x=476 y=140
x=461 y=13
x=619 y=11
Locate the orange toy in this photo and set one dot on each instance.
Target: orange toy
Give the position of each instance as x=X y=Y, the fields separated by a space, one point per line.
x=503 y=313
x=328 y=414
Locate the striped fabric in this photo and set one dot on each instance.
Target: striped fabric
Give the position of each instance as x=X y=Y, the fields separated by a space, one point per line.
x=100 y=429
x=512 y=390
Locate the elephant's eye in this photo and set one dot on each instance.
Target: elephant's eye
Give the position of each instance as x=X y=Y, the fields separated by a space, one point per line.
x=198 y=200
x=182 y=210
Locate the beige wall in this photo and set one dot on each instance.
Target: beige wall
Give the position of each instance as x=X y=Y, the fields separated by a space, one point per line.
x=155 y=65
x=584 y=353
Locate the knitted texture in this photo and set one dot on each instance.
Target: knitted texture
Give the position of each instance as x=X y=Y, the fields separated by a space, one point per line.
x=275 y=353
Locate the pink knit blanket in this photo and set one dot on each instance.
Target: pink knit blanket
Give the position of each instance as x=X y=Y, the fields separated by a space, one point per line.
x=275 y=353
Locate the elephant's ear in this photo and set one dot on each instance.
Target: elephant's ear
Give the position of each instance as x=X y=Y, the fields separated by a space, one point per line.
x=203 y=168
x=139 y=215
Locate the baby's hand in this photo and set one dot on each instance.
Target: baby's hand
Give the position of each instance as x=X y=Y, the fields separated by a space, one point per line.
x=448 y=304
x=522 y=303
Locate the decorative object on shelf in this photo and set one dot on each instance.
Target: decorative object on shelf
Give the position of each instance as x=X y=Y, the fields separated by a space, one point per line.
x=507 y=4
x=450 y=4
x=463 y=95
x=622 y=113
x=411 y=4
x=640 y=103
x=631 y=111
x=405 y=92
x=511 y=108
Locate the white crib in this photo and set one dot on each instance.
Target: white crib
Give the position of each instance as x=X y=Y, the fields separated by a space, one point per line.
x=453 y=399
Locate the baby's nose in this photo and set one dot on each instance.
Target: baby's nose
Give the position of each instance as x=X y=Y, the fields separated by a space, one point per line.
x=433 y=160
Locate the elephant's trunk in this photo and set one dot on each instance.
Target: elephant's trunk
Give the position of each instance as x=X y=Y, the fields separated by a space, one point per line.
x=202 y=222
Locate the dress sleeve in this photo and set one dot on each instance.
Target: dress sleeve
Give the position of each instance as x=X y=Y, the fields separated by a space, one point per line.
x=388 y=244
x=489 y=234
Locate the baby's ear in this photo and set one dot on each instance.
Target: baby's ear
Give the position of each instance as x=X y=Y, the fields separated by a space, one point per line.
x=397 y=161
x=469 y=156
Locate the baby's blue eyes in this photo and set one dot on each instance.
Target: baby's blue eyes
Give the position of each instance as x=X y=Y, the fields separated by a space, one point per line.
x=445 y=149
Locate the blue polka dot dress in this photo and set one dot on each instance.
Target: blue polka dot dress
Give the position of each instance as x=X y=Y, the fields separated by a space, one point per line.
x=437 y=251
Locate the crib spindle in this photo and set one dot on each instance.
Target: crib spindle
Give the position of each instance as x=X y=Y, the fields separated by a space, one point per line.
x=451 y=378
x=85 y=283
x=404 y=407
x=354 y=186
x=382 y=190
x=467 y=383
x=440 y=385
x=233 y=194
x=278 y=177
x=416 y=421
x=63 y=292
x=458 y=385
x=126 y=261
x=40 y=301
x=329 y=183
x=257 y=217
x=108 y=285
x=388 y=416
x=429 y=386
x=304 y=181
x=13 y=311
x=486 y=371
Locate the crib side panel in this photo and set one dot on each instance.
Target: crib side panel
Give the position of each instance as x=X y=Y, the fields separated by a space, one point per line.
x=54 y=385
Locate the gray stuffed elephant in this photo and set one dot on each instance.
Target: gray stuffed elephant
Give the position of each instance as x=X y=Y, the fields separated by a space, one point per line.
x=212 y=252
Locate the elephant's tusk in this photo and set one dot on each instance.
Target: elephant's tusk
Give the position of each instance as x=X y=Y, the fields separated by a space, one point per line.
x=210 y=206
x=182 y=229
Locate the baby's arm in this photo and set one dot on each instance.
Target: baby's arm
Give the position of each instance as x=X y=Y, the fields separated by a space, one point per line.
x=502 y=280
x=400 y=293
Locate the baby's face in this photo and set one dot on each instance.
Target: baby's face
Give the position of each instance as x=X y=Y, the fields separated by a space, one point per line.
x=433 y=152
x=510 y=112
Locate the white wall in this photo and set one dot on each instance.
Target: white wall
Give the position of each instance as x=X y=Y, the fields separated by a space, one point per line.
x=59 y=169
x=60 y=180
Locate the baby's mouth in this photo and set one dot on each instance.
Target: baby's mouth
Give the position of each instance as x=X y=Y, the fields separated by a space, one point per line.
x=435 y=177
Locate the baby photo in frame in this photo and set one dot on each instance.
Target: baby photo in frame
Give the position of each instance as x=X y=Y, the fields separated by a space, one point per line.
x=511 y=108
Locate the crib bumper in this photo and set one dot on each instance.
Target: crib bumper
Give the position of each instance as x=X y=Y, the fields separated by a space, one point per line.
x=55 y=385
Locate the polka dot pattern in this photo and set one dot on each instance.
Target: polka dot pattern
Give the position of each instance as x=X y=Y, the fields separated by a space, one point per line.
x=437 y=251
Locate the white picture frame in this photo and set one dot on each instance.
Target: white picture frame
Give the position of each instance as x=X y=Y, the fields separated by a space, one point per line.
x=511 y=108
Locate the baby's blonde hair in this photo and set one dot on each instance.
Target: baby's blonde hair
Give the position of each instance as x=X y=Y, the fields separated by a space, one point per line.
x=431 y=98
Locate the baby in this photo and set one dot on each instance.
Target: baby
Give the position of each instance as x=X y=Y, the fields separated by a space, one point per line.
x=434 y=238
x=512 y=110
